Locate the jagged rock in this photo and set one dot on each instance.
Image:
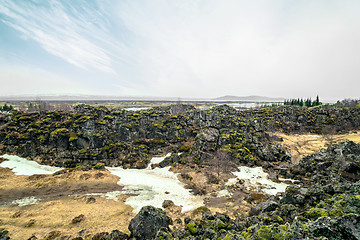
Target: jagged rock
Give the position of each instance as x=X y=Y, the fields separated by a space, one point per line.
x=4 y=235
x=346 y=227
x=295 y=195
x=78 y=219
x=266 y=206
x=147 y=223
x=100 y=236
x=90 y=200
x=52 y=235
x=117 y=235
x=180 y=234
x=167 y=203
x=30 y=223
x=207 y=215
x=164 y=234
x=209 y=135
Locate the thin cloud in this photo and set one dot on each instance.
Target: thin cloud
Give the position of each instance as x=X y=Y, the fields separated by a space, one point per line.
x=59 y=32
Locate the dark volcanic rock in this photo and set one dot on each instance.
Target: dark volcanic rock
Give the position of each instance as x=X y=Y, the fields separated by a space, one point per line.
x=264 y=207
x=114 y=235
x=337 y=163
x=4 y=235
x=147 y=223
x=346 y=227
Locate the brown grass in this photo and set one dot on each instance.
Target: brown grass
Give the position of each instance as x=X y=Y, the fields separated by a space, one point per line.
x=57 y=211
x=300 y=146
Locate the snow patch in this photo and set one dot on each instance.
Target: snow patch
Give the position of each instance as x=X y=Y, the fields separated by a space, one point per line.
x=153 y=186
x=136 y=108
x=157 y=160
x=25 y=201
x=109 y=195
x=256 y=178
x=22 y=166
x=223 y=193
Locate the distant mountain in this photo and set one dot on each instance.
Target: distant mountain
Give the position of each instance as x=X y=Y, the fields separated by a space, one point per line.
x=248 y=98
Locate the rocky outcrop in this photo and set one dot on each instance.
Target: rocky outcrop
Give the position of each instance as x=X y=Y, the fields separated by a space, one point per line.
x=323 y=119
x=89 y=135
x=146 y=224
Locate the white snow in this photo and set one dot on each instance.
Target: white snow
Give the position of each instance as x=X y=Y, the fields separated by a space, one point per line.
x=22 y=166
x=25 y=201
x=223 y=193
x=256 y=178
x=153 y=186
x=308 y=135
x=288 y=180
x=157 y=160
x=109 y=195
x=136 y=108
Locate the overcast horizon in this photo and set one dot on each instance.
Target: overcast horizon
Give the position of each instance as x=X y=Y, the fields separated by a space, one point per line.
x=186 y=49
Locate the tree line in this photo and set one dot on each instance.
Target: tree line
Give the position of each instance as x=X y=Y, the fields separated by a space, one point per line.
x=301 y=102
x=6 y=108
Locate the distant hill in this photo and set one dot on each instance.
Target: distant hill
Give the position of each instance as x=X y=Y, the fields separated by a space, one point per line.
x=248 y=98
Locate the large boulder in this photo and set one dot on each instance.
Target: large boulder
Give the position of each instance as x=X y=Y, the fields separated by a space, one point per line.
x=266 y=206
x=209 y=135
x=147 y=223
x=345 y=227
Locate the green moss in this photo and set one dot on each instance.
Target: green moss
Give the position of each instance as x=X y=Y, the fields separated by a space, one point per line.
x=101 y=122
x=267 y=220
x=228 y=236
x=284 y=227
x=192 y=228
x=304 y=226
x=83 y=119
x=84 y=150
x=73 y=136
x=316 y=213
x=127 y=125
x=185 y=148
x=42 y=138
x=59 y=131
x=264 y=233
x=336 y=212
x=200 y=210
x=246 y=235
x=26 y=118
x=99 y=166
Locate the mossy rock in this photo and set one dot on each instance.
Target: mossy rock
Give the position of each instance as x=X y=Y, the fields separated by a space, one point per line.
x=60 y=131
x=99 y=166
x=315 y=213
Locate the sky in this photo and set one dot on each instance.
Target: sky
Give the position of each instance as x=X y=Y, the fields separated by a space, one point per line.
x=187 y=48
